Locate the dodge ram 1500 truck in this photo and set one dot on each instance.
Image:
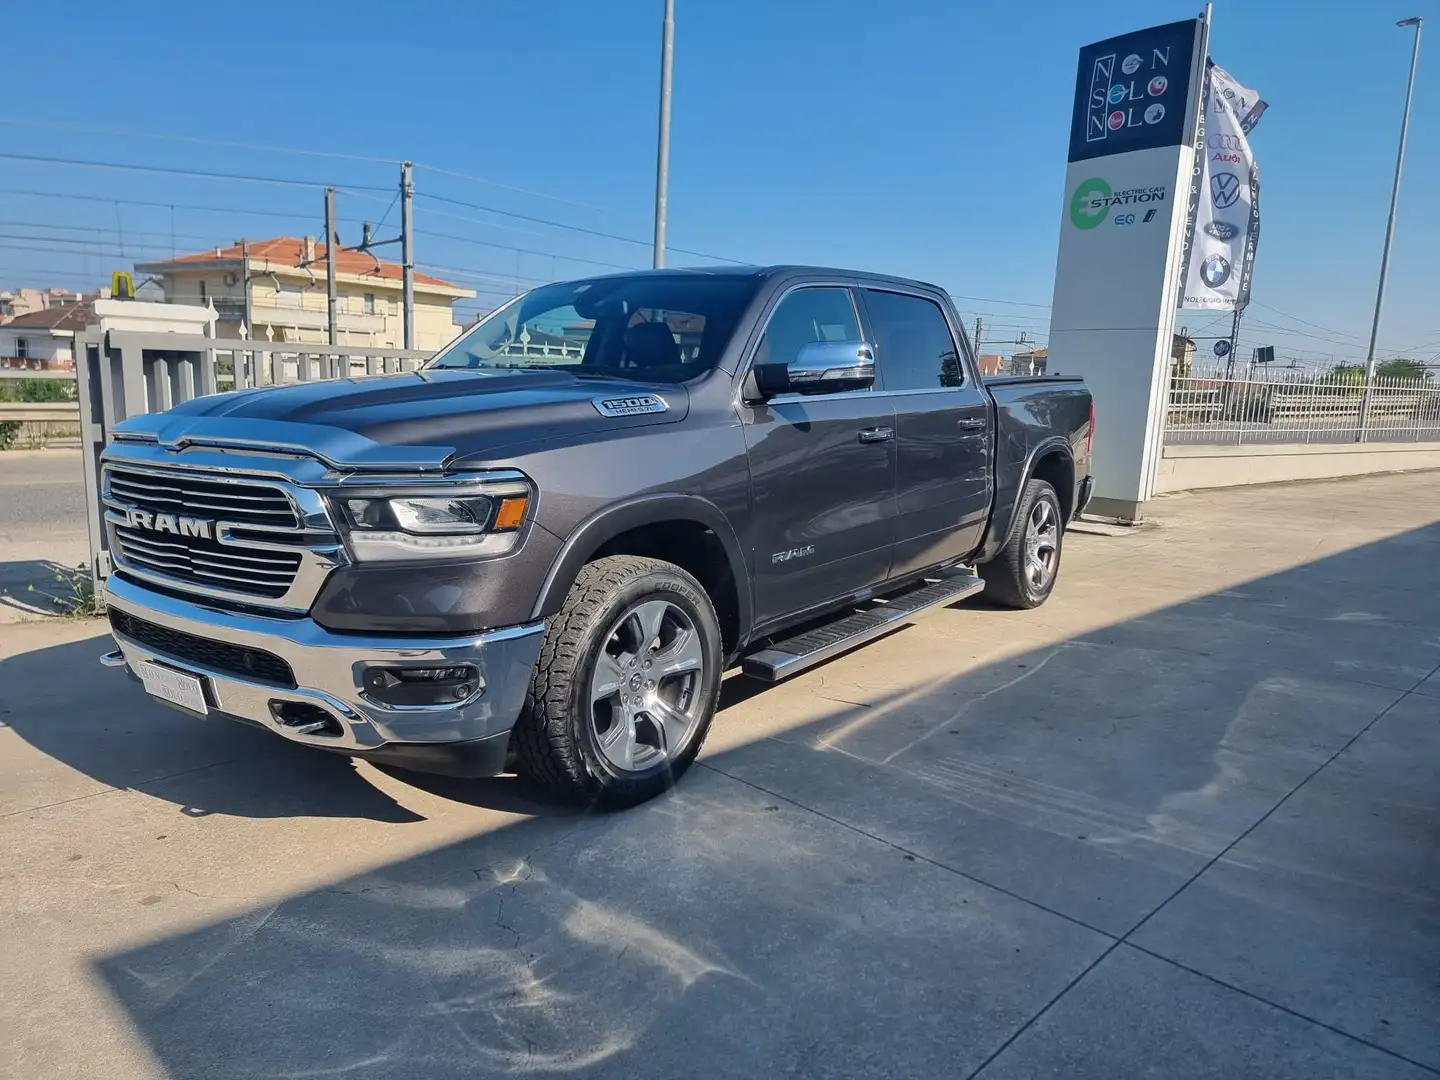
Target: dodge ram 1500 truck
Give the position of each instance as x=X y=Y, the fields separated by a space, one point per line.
x=543 y=549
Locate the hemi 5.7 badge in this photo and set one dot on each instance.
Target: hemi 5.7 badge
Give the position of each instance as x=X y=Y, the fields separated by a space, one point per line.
x=635 y=405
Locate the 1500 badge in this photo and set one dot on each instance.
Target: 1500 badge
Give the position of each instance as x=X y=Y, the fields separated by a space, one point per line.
x=635 y=405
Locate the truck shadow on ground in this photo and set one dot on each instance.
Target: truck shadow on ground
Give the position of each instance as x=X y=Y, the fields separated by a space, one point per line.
x=891 y=887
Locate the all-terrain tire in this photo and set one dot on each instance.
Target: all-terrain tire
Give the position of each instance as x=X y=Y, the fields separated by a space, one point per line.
x=1008 y=580
x=554 y=740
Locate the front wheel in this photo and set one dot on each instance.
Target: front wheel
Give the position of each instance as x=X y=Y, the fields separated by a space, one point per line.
x=626 y=684
x=1023 y=574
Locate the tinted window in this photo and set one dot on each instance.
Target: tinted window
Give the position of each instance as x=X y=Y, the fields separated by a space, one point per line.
x=806 y=315
x=913 y=345
x=653 y=327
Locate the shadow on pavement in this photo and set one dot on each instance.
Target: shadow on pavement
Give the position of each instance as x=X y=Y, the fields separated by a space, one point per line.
x=35 y=586
x=892 y=889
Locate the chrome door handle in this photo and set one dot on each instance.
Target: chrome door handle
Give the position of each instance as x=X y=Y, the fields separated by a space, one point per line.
x=877 y=434
x=971 y=425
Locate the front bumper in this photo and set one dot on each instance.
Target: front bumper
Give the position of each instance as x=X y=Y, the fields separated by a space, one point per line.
x=468 y=737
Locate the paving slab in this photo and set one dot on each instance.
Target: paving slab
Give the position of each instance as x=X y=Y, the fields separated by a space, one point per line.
x=1140 y=1018
x=1331 y=906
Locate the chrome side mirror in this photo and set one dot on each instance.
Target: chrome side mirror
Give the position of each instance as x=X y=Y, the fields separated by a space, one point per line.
x=821 y=367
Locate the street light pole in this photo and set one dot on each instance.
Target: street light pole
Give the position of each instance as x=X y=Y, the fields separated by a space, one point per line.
x=1414 y=21
x=662 y=164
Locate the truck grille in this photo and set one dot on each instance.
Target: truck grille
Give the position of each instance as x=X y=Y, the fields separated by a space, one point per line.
x=167 y=524
x=255 y=664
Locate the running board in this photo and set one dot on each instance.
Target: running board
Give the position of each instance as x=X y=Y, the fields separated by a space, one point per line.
x=794 y=655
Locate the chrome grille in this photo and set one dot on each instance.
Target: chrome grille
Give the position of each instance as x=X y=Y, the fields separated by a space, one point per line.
x=240 y=503
x=248 y=525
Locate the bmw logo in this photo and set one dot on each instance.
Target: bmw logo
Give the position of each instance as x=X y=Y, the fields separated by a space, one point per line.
x=1215 y=271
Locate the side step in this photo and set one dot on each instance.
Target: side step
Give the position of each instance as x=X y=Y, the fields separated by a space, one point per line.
x=793 y=655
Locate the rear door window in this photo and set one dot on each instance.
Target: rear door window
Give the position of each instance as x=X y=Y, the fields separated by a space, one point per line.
x=914 y=347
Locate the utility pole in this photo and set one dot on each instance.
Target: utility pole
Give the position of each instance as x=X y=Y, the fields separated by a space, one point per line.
x=407 y=250
x=247 y=328
x=979 y=327
x=662 y=163
x=330 y=254
x=1234 y=340
x=1414 y=21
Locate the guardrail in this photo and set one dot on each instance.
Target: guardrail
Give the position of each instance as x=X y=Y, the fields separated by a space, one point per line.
x=1214 y=409
x=30 y=412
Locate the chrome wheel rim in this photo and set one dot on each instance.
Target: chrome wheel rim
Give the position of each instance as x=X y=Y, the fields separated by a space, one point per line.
x=645 y=694
x=1042 y=545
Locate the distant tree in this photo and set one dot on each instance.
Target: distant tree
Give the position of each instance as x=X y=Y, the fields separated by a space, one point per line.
x=1346 y=375
x=1402 y=368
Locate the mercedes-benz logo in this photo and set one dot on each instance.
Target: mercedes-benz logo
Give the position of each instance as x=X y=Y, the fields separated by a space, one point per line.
x=1224 y=189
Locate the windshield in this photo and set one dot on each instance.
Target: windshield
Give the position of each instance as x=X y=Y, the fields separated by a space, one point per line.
x=648 y=327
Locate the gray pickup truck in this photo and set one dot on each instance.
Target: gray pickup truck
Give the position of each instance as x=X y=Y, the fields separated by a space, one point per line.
x=543 y=549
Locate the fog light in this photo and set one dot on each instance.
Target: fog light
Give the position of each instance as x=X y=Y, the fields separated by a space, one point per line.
x=421 y=686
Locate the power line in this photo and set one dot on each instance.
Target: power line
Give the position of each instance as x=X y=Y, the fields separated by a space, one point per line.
x=200 y=174
x=571 y=228
x=267 y=149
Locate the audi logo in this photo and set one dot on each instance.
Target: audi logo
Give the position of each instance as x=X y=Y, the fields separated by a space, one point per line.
x=1225 y=142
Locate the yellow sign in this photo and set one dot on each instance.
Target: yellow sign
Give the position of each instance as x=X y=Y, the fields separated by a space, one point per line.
x=122 y=286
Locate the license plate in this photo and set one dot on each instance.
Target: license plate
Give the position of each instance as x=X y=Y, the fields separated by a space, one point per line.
x=187 y=691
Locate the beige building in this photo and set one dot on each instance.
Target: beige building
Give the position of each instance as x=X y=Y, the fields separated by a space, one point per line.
x=286 y=280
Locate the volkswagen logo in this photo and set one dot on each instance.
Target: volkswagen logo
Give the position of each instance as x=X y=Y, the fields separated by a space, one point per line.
x=1215 y=271
x=1224 y=189
x=1225 y=142
x=1221 y=230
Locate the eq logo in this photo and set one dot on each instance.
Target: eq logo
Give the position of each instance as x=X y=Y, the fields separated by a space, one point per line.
x=1224 y=189
x=1158 y=85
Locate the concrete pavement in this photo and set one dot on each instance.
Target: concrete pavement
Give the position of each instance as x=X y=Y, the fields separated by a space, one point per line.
x=42 y=529
x=1180 y=822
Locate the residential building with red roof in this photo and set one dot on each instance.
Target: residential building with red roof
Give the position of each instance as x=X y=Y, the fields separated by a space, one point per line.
x=285 y=277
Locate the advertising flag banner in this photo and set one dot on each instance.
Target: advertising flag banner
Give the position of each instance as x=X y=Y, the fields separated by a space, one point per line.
x=1224 y=211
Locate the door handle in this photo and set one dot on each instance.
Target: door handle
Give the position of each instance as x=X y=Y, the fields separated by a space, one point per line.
x=971 y=425
x=877 y=434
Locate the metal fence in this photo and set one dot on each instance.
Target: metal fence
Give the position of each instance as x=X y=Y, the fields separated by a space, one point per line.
x=125 y=373
x=1297 y=408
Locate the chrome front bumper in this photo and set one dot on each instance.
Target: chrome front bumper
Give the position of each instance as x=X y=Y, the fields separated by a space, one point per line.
x=328 y=668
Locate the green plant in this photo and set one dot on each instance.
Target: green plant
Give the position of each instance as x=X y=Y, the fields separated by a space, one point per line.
x=75 y=596
x=9 y=432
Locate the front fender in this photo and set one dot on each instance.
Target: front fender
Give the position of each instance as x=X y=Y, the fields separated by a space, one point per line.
x=606 y=524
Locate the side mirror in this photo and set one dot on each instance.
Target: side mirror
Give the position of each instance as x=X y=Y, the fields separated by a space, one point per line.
x=822 y=367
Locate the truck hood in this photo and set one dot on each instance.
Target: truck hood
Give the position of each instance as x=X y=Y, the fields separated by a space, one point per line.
x=419 y=420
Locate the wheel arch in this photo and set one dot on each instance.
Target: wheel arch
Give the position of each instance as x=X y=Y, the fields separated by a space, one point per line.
x=664 y=527
x=1051 y=460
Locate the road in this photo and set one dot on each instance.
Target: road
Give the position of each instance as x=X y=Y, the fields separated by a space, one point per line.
x=42 y=527
x=1178 y=823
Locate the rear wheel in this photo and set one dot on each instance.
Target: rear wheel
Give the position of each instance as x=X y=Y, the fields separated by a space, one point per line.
x=626 y=685
x=1023 y=574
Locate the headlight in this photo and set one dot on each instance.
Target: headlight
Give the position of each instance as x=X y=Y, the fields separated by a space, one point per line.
x=471 y=519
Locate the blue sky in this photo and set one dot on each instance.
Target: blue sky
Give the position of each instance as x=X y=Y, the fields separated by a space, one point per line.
x=925 y=138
